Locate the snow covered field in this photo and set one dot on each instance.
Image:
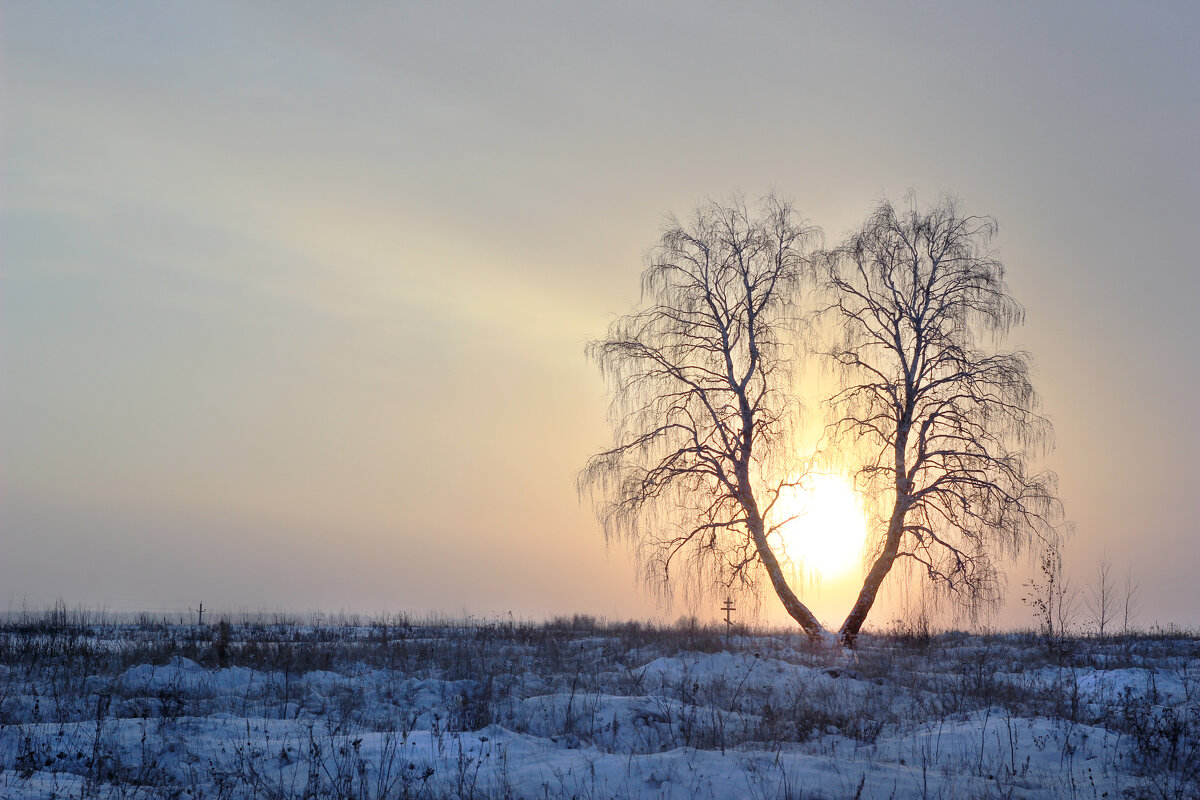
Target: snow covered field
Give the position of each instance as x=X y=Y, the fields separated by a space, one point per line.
x=577 y=709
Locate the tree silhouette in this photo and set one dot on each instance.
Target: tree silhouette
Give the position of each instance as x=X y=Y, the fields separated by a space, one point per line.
x=699 y=379
x=947 y=425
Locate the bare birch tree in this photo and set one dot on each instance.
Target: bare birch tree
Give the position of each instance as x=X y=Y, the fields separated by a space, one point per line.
x=699 y=379
x=1101 y=600
x=1131 y=599
x=947 y=426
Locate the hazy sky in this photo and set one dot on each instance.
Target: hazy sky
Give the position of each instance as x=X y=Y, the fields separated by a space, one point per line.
x=294 y=297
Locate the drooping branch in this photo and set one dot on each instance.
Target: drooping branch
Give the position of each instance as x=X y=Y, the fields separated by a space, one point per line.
x=947 y=429
x=699 y=379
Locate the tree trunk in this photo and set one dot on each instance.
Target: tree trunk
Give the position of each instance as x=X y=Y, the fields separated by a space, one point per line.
x=797 y=610
x=879 y=570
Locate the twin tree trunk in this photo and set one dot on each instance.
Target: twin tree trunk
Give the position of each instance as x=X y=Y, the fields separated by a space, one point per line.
x=874 y=579
x=866 y=597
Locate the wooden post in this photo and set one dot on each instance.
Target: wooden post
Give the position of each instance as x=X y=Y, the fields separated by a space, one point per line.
x=728 y=608
x=200 y=614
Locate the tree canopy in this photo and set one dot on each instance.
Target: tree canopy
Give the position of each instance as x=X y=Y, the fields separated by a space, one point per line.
x=943 y=426
x=946 y=426
x=700 y=382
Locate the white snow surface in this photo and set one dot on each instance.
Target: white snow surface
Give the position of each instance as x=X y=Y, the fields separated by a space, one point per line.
x=538 y=712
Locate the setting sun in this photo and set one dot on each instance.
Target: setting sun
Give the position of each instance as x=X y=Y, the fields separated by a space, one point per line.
x=827 y=535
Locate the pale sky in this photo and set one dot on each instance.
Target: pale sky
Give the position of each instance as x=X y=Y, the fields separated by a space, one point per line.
x=294 y=297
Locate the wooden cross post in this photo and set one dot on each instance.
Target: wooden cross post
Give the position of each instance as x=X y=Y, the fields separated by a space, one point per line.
x=200 y=614
x=728 y=608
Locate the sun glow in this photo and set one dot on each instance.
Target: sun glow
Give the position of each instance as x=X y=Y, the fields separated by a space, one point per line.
x=829 y=528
